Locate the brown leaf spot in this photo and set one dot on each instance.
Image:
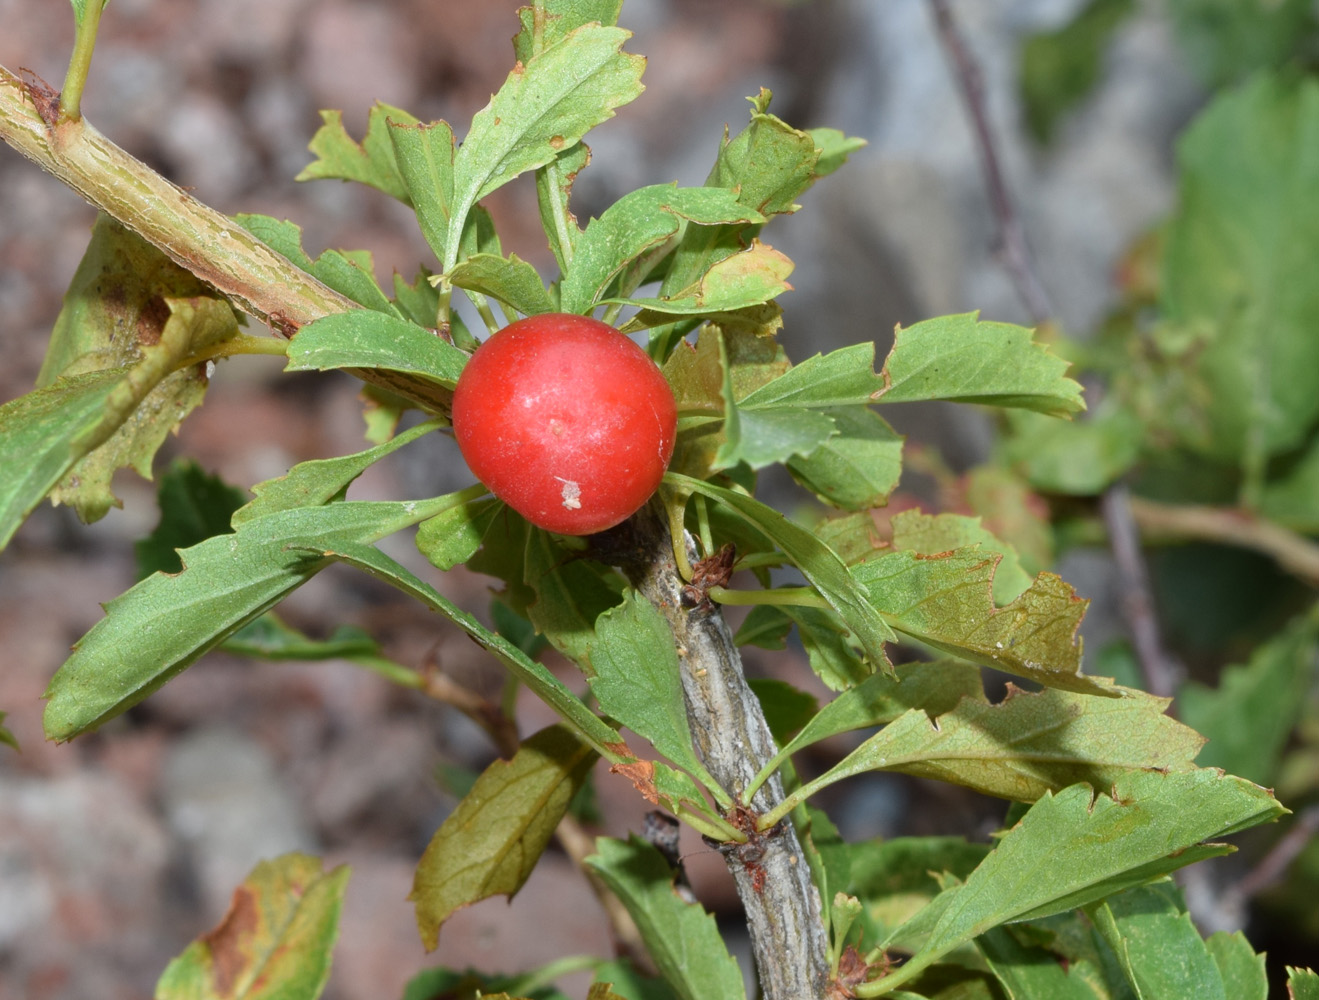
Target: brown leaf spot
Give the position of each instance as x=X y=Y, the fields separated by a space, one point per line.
x=556 y=142
x=151 y=321
x=642 y=775
x=229 y=956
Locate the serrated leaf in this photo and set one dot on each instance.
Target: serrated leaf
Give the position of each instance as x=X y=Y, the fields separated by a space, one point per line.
x=930 y=535
x=640 y=221
x=858 y=467
x=1237 y=255
x=1028 y=744
x=962 y=359
x=571 y=709
x=817 y=562
x=750 y=277
x=193 y=507
x=946 y=601
x=833 y=148
x=1302 y=984
x=557 y=18
x=508 y=279
x=349 y=272
x=418 y=301
x=1249 y=717
x=273 y=944
x=371 y=162
x=681 y=937
x=310 y=484
x=637 y=681
x=489 y=845
x=1073 y=848
x=1025 y=973
x=423 y=155
x=454 y=536
x=1158 y=949
x=934 y=688
x=1078 y=457
x=165 y=623
x=554 y=183
x=42 y=434
x=366 y=339
x=546 y=105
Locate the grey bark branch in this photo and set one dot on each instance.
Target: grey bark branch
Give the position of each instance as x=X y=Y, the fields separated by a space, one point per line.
x=782 y=903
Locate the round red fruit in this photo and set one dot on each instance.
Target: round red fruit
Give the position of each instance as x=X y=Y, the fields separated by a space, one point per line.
x=566 y=420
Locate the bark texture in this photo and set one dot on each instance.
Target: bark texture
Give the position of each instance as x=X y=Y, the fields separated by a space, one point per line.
x=781 y=901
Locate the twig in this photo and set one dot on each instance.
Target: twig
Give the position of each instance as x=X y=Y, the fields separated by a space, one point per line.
x=1135 y=597
x=1012 y=236
x=1295 y=553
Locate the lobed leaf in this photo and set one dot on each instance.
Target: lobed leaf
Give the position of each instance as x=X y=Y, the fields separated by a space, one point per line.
x=273 y=944
x=569 y=595
x=372 y=162
x=1026 y=972
x=750 y=277
x=681 y=937
x=546 y=105
x=193 y=507
x=930 y=535
x=556 y=20
x=1075 y=458
x=962 y=359
x=165 y=623
x=366 y=339
x=1028 y=744
x=1241 y=969
x=1072 y=848
x=423 y=155
x=489 y=845
x=453 y=537
x=946 y=601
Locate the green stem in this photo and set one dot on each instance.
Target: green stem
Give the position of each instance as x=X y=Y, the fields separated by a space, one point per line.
x=762 y=776
x=80 y=62
x=558 y=212
x=712 y=826
x=483 y=307
x=703 y=521
x=803 y=597
x=393 y=672
x=611 y=314
x=538 y=979
x=234 y=346
x=799 y=795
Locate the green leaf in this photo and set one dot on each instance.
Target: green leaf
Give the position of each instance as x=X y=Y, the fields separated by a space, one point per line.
x=1249 y=717
x=554 y=183
x=750 y=277
x=419 y=301
x=962 y=359
x=509 y=279
x=1158 y=949
x=1238 y=255
x=454 y=536
x=571 y=709
x=6 y=736
x=930 y=535
x=636 y=679
x=311 y=484
x=273 y=944
x=858 y=467
x=269 y=638
x=946 y=601
x=832 y=148
x=166 y=622
x=1302 y=984
x=817 y=562
x=489 y=845
x=628 y=982
x=423 y=154
x=559 y=18
x=935 y=688
x=570 y=594
x=1076 y=458
x=787 y=709
x=372 y=162
x=1241 y=969
x=640 y=221
x=42 y=435
x=193 y=507
x=1074 y=848
x=1025 y=973
x=1060 y=67
x=1028 y=744
x=547 y=104
x=365 y=339
x=1228 y=41
x=681 y=937
x=1292 y=499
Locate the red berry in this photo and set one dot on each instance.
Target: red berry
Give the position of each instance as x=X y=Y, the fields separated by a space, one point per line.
x=566 y=420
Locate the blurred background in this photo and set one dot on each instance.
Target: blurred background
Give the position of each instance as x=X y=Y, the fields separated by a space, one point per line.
x=117 y=850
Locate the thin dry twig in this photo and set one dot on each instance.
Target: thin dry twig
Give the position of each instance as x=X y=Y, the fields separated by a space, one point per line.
x=1295 y=553
x=1012 y=248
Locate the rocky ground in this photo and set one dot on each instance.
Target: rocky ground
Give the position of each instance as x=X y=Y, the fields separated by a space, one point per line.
x=119 y=848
